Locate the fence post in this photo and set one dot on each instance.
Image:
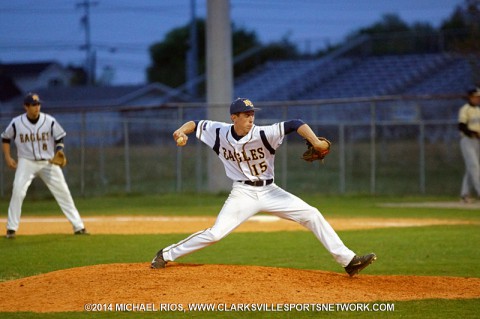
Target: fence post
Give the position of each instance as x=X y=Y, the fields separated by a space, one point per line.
x=341 y=157
x=373 y=155
x=198 y=166
x=2 y=177
x=101 y=159
x=128 y=185
x=284 y=153
x=178 y=160
x=83 y=131
x=421 y=141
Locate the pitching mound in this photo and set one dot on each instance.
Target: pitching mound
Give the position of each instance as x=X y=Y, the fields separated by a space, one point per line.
x=115 y=284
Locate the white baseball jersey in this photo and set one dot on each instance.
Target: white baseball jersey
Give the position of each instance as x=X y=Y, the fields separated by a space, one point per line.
x=470 y=115
x=34 y=141
x=250 y=158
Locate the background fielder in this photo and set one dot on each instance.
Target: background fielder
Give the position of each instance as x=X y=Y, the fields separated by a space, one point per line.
x=248 y=154
x=38 y=138
x=469 y=126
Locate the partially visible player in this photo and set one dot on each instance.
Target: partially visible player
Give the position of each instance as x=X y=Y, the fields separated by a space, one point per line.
x=469 y=126
x=248 y=153
x=37 y=137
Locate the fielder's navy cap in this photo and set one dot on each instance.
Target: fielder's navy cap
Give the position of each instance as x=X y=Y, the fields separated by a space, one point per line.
x=31 y=98
x=242 y=105
x=474 y=92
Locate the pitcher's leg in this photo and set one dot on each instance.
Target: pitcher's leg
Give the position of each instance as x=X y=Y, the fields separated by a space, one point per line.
x=312 y=219
x=288 y=206
x=52 y=176
x=237 y=208
x=315 y=221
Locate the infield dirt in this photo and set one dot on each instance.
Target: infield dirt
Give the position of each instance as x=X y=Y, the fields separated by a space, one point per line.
x=187 y=225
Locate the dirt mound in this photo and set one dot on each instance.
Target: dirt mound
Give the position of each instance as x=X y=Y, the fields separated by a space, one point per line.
x=114 y=285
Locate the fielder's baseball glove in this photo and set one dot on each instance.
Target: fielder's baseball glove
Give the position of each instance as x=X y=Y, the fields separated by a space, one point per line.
x=311 y=154
x=59 y=159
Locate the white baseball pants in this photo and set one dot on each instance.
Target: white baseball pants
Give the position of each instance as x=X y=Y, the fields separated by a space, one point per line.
x=245 y=201
x=470 y=148
x=52 y=176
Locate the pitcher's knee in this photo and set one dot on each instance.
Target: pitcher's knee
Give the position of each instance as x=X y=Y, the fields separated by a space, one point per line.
x=214 y=236
x=310 y=215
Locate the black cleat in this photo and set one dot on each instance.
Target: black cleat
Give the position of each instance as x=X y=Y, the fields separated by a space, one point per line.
x=10 y=234
x=359 y=263
x=82 y=231
x=467 y=199
x=158 y=262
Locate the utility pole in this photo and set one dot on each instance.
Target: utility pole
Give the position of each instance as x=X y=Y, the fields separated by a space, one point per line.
x=219 y=80
x=192 y=53
x=89 y=54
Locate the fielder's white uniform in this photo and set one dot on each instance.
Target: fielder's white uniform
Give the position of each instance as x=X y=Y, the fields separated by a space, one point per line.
x=251 y=159
x=35 y=143
x=470 y=146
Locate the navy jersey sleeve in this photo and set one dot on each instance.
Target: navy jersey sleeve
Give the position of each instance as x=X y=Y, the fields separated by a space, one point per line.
x=292 y=125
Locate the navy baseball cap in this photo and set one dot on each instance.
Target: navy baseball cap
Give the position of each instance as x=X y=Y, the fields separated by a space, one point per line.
x=31 y=98
x=474 y=92
x=242 y=105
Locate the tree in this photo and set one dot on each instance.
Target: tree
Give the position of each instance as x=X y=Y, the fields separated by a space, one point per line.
x=389 y=23
x=169 y=56
x=462 y=29
x=392 y=35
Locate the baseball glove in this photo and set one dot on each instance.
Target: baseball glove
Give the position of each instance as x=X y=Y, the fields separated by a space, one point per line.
x=311 y=154
x=59 y=159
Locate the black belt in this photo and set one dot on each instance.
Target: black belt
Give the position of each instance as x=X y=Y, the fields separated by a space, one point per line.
x=258 y=183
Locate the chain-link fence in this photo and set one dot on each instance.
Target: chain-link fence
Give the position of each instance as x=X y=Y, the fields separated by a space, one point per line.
x=388 y=145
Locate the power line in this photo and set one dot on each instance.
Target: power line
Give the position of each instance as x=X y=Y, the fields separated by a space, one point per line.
x=102 y=9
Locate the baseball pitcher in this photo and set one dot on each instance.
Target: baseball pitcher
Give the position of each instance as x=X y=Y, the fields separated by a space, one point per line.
x=248 y=153
x=38 y=138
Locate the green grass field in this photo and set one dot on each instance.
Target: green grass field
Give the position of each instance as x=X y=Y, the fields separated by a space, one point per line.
x=426 y=251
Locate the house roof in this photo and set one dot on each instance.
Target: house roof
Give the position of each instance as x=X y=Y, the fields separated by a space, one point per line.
x=23 y=69
x=8 y=88
x=61 y=98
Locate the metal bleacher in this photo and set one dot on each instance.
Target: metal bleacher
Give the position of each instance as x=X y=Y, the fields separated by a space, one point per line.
x=262 y=82
x=356 y=77
x=452 y=77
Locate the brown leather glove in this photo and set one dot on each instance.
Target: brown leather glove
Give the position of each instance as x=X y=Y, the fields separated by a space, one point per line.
x=312 y=154
x=59 y=159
